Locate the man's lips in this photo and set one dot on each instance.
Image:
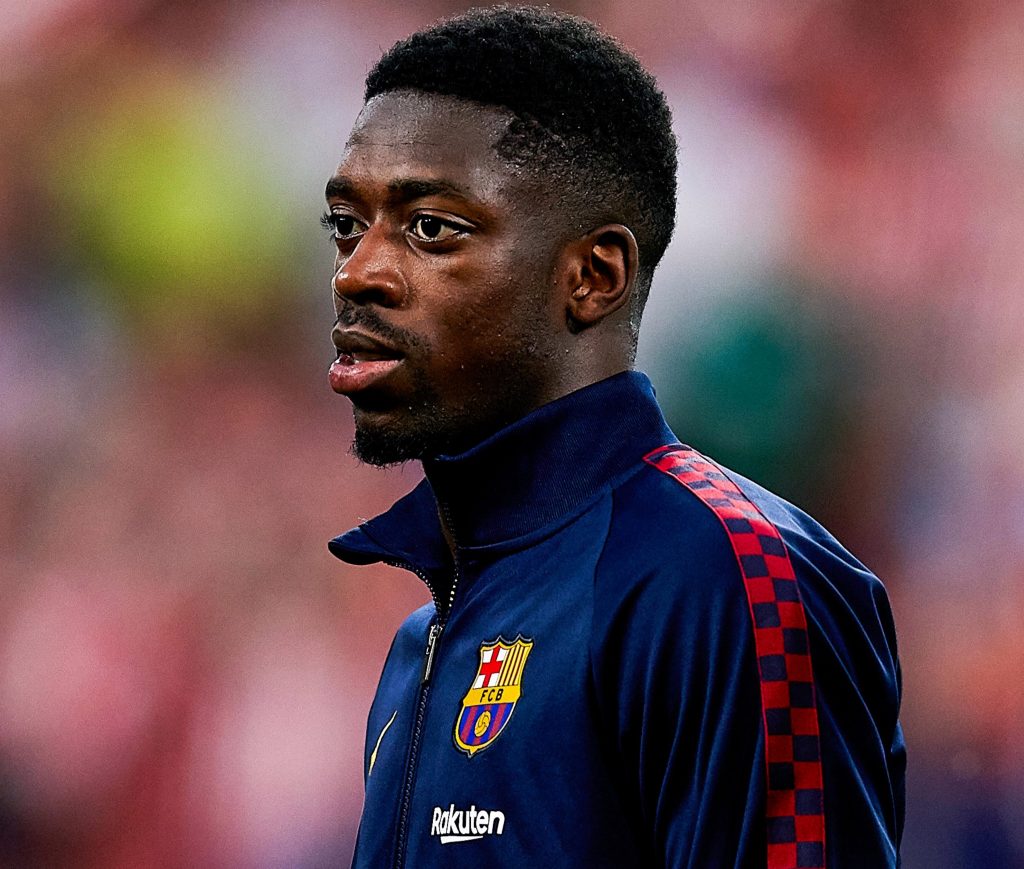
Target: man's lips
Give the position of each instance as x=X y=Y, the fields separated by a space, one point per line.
x=362 y=361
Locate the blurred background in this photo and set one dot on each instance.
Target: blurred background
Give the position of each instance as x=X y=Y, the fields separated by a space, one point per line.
x=185 y=671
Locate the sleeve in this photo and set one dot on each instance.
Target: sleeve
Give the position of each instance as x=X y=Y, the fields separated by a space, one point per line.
x=749 y=730
x=675 y=680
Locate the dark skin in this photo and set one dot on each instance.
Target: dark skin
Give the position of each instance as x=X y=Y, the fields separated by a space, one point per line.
x=465 y=298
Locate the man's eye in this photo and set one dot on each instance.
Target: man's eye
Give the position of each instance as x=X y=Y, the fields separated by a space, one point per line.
x=342 y=226
x=428 y=228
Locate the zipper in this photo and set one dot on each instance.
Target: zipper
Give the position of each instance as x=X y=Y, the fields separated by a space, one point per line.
x=402 y=838
x=433 y=636
x=428 y=664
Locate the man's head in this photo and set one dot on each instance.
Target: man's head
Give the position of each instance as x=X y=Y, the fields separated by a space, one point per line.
x=499 y=210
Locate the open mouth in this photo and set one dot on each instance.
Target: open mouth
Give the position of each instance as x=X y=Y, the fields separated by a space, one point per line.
x=362 y=361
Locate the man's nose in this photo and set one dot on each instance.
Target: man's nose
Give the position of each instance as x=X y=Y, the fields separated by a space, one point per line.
x=372 y=273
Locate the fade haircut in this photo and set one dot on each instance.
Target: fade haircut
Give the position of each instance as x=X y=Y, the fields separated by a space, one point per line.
x=585 y=114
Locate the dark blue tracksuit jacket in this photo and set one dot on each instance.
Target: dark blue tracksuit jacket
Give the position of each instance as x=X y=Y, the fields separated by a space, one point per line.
x=635 y=658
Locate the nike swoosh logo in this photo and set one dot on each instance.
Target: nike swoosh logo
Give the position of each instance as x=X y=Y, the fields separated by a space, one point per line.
x=373 y=754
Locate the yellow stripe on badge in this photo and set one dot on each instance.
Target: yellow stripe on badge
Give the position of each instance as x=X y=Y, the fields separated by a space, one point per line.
x=498 y=694
x=510 y=672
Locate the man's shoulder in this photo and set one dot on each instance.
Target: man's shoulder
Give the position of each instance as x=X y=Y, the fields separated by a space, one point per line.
x=663 y=541
x=693 y=549
x=655 y=521
x=689 y=521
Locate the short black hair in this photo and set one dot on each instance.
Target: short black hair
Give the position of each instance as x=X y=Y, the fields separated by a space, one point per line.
x=584 y=110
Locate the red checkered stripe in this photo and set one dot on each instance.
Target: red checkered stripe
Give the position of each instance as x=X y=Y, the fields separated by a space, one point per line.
x=795 y=811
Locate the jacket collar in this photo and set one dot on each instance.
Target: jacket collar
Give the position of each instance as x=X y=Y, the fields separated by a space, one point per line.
x=521 y=483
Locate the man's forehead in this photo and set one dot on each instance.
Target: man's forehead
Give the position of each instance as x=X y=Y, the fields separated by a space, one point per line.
x=421 y=127
x=409 y=141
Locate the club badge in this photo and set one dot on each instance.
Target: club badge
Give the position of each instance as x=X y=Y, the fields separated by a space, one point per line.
x=491 y=699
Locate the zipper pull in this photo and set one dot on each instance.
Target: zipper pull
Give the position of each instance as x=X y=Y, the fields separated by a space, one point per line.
x=428 y=664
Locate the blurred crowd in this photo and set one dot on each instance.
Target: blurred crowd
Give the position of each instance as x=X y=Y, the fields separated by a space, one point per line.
x=185 y=671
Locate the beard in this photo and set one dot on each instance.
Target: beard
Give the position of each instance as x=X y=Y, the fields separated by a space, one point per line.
x=424 y=429
x=423 y=424
x=426 y=426
x=389 y=431
x=384 y=437
x=384 y=446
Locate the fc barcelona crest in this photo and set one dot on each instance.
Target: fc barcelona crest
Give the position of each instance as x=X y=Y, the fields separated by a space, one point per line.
x=491 y=699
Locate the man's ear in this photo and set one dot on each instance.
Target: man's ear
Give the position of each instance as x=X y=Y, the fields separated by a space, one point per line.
x=605 y=263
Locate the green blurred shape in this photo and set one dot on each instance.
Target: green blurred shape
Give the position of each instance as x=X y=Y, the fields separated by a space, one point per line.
x=170 y=209
x=767 y=387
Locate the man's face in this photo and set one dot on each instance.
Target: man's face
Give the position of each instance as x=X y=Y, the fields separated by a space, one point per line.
x=447 y=327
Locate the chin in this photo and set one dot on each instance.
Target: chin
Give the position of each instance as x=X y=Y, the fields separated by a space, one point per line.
x=389 y=433
x=383 y=440
x=383 y=451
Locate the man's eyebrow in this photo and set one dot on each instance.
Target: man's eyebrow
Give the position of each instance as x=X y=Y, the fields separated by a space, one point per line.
x=399 y=190
x=405 y=189
x=339 y=188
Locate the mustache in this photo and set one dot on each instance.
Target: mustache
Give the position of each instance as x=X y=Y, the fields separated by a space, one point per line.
x=368 y=320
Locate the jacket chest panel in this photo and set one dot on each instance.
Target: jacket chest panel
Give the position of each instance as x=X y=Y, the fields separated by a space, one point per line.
x=508 y=732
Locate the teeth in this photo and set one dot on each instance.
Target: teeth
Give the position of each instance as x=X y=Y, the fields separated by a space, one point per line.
x=351 y=358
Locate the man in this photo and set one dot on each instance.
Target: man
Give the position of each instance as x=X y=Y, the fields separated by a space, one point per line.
x=632 y=657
